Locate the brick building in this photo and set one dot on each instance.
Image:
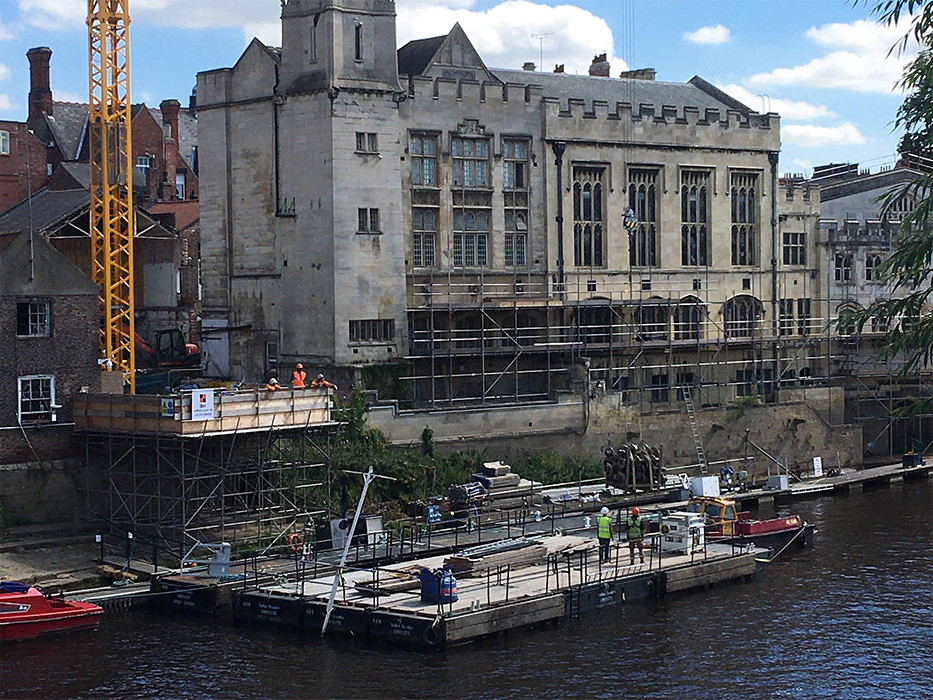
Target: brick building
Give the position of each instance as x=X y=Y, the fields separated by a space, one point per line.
x=47 y=354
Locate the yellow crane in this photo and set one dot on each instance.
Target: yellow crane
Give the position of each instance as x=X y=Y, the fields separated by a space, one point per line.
x=108 y=23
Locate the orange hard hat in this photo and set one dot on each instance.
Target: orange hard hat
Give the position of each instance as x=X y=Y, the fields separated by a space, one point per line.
x=635 y=511
x=299 y=366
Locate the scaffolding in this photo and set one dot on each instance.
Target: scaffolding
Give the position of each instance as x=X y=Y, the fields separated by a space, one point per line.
x=254 y=474
x=508 y=338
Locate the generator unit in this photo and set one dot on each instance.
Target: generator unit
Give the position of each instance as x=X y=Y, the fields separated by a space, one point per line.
x=683 y=532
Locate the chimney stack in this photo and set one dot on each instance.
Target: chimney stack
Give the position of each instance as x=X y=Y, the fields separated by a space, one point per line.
x=40 y=94
x=600 y=66
x=559 y=68
x=529 y=66
x=170 y=117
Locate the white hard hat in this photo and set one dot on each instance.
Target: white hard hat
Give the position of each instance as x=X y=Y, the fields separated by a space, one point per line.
x=604 y=511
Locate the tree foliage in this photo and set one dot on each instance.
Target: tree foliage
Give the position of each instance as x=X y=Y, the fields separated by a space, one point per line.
x=906 y=315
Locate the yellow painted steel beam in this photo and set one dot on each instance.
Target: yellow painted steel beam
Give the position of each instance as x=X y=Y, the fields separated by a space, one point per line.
x=112 y=223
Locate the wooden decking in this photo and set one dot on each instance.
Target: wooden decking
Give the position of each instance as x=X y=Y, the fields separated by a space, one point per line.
x=233 y=411
x=568 y=584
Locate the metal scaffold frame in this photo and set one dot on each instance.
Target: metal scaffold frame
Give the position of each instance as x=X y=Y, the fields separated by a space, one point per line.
x=241 y=486
x=508 y=339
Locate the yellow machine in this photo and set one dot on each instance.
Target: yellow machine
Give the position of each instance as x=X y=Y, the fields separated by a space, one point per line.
x=111 y=214
x=718 y=511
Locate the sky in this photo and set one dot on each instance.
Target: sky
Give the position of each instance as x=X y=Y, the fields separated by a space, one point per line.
x=823 y=65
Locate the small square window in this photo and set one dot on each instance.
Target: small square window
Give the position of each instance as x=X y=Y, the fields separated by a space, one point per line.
x=33 y=319
x=367 y=220
x=697 y=286
x=591 y=285
x=142 y=162
x=746 y=283
x=646 y=285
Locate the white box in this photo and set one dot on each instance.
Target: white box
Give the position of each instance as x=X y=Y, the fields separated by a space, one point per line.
x=683 y=532
x=705 y=486
x=778 y=482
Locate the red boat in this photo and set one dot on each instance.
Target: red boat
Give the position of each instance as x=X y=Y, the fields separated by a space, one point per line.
x=725 y=524
x=26 y=613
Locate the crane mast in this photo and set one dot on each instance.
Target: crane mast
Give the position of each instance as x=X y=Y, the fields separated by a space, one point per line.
x=108 y=23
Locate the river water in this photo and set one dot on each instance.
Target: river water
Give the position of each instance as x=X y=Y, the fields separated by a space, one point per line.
x=851 y=618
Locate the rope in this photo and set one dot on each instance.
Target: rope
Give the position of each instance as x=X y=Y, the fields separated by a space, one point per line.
x=799 y=533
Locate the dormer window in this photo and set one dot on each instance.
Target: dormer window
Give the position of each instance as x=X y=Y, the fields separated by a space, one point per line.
x=357 y=40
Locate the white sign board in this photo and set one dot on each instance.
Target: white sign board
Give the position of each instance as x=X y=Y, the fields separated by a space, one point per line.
x=817 y=466
x=167 y=407
x=202 y=404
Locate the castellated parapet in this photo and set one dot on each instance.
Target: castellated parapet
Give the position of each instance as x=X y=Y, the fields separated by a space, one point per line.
x=577 y=119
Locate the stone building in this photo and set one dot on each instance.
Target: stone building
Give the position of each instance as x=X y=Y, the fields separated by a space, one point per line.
x=493 y=229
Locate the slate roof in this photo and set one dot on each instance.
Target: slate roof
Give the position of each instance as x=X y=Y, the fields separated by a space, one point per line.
x=68 y=124
x=415 y=56
x=563 y=86
x=48 y=208
x=51 y=272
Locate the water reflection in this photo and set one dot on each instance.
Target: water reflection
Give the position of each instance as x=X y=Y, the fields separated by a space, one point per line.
x=849 y=618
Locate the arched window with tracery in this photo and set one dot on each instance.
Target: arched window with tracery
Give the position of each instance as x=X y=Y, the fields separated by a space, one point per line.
x=744 y=218
x=687 y=315
x=741 y=316
x=642 y=199
x=588 y=217
x=694 y=216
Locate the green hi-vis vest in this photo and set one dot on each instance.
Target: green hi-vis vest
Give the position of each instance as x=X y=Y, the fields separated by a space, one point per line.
x=634 y=526
x=602 y=531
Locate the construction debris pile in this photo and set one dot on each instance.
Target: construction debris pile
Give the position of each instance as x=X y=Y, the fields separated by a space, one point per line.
x=632 y=466
x=495 y=487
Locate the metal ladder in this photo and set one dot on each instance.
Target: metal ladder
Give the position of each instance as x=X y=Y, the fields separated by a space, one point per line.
x=695 y=429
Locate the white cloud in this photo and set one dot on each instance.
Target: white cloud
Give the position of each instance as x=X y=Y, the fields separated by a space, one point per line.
x=788 y=109
x=68 y=96
x=5 y=102
x=717 y=34
x=5 y=73
x=504 y=34
x=806 y=168
x=860 y=59
x=809 y=136
x=4 y=32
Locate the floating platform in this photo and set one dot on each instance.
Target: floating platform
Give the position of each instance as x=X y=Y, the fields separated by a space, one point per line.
x=570 y=582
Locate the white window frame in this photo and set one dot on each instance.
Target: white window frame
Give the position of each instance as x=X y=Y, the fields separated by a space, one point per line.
x=4 y=142
x=35 y=416
x=367 y=142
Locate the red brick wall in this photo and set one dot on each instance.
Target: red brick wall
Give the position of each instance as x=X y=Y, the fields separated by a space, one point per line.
x=14 y=183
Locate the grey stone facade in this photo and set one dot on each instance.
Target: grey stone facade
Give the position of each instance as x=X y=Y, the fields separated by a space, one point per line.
x=500 y=256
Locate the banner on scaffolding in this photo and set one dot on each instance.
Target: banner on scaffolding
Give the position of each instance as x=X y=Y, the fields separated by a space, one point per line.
x=202 y=404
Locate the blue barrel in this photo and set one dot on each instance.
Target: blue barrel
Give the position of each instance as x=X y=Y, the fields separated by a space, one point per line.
x=448 y=587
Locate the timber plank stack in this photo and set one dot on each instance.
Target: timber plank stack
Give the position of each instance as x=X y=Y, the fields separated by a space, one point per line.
x=497 y=488
x=514 y=553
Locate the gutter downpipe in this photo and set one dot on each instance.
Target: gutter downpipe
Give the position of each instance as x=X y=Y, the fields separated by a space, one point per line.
x=559 y=147
x=773 y=160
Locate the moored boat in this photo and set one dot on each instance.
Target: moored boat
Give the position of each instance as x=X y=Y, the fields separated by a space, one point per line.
x=26 y=612
x=724 y=523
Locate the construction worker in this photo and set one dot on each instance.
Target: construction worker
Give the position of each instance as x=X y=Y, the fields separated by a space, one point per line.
x=321 y=383
x=604 y=533
x=273 y=385
x=635 y=537
x=299 y=376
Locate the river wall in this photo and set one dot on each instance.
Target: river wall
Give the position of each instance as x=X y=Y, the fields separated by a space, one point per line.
x=797 y=430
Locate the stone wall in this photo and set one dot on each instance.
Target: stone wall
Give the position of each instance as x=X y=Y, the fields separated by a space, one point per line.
x=796 y=430
x=38 y=492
